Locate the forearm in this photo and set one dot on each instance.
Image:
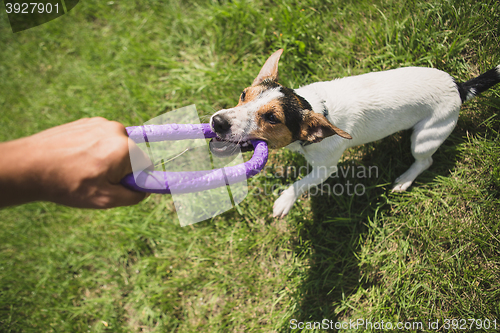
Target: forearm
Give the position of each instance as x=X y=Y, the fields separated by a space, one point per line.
x=19 y=181
x=79 y=164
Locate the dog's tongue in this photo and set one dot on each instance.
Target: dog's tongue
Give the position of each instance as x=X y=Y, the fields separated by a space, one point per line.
x=225 y=148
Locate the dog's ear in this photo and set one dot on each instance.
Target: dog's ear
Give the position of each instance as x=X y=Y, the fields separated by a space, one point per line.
x=270 y=69
x=315 y=127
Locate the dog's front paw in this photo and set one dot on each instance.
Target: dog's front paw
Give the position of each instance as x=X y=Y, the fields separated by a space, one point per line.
x=284 y=203
x=401 y=187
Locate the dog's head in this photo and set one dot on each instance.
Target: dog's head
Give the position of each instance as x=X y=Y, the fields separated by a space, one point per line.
x=271 y=112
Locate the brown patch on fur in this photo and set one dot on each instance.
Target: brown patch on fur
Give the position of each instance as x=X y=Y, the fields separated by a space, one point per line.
x=299 y=101
x=276 y=135
x=316 y=127
x=251 y=93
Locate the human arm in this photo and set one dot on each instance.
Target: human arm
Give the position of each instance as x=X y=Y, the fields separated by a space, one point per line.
x=79 y=164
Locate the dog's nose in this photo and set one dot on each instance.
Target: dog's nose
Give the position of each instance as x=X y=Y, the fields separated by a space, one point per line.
x=220 y=124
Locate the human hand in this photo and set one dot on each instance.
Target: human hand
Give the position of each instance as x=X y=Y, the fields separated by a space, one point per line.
x=79 y=164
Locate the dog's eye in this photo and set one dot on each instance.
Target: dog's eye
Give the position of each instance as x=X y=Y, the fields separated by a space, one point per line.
x=271 y=118
x=243 y=94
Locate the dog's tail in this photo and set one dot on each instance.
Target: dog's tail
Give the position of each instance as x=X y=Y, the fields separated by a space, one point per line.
x=470 y=89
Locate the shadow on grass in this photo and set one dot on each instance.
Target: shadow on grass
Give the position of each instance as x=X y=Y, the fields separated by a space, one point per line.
x=334 y=236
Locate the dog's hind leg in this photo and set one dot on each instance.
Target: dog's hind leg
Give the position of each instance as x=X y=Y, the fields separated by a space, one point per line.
x=427 y=136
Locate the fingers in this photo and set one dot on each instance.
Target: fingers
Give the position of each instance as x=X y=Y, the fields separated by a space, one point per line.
x=109 y=197
x=126 y=158
x=122 y=196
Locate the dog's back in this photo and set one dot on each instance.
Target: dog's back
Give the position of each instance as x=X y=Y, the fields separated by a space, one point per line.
x=374 y=105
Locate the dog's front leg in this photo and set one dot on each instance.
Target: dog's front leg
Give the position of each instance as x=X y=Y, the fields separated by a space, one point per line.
x=285 y=202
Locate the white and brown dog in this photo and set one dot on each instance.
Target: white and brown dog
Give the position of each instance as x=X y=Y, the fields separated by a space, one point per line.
x=315 y=119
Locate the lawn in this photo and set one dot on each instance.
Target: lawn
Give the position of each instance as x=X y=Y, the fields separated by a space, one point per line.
x=429 y=255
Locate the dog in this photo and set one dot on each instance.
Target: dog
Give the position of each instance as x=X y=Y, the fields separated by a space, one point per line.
x=321 y=120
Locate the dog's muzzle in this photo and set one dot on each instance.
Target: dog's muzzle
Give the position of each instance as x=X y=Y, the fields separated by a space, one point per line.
x=221 y=147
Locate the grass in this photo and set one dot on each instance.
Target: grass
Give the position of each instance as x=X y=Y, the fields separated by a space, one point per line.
x=429 y=254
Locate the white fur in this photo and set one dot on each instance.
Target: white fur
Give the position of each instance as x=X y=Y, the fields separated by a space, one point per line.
x=370 y=107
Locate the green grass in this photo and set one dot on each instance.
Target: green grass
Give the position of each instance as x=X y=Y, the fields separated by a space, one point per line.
x=430 y=254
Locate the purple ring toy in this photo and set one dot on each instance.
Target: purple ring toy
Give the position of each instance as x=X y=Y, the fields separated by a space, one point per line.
x=189 y=181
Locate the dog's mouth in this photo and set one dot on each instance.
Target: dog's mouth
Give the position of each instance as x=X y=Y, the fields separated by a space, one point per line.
x=223 y=148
